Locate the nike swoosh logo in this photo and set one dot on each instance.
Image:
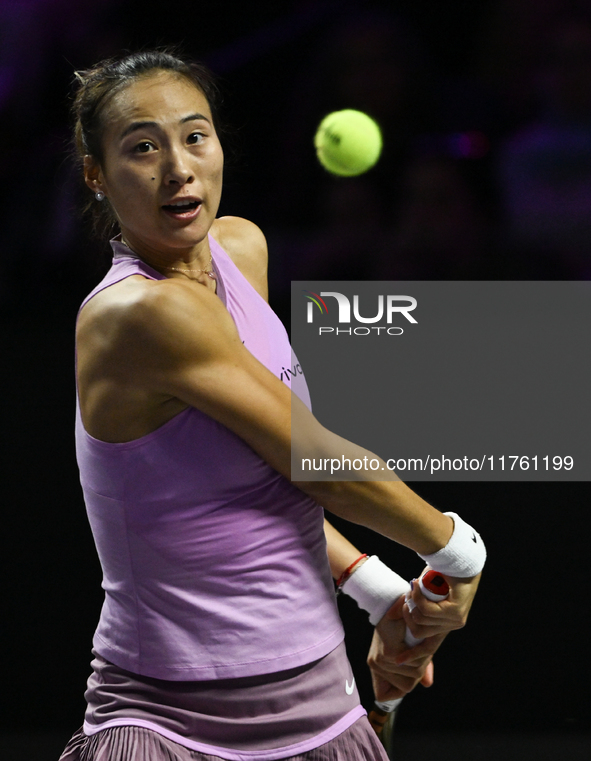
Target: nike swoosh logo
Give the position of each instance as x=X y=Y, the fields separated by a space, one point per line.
x=349 y=690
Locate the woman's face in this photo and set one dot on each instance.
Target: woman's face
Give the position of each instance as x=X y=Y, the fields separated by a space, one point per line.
x=162 y=164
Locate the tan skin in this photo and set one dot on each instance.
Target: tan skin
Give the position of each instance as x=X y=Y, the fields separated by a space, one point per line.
x=148 y=349
x=395 y=669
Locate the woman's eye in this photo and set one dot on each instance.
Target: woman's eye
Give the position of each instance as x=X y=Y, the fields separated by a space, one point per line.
x=195 y=137
x=143 y=147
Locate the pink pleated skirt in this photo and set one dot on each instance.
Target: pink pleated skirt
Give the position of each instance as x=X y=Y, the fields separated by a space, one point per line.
x=129 y=743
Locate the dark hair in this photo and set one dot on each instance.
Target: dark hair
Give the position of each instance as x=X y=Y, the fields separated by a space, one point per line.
x=97 y=86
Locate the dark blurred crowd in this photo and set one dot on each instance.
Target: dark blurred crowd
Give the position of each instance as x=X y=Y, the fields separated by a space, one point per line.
x=486 y=168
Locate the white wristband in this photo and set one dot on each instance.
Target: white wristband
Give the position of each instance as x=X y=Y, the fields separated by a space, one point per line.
x=463 y=555
x=375 y=588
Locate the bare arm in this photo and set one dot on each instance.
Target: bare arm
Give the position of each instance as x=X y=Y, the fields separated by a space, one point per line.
x=341 y=553
x=247 y=246
x=176 y=340
x=395 y=670
x=173 y=342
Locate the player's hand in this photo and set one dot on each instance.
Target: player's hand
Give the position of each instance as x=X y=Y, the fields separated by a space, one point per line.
x=429 y=619
x=396 y=669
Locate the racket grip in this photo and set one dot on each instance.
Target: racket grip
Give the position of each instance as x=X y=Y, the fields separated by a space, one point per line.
x=435 y=588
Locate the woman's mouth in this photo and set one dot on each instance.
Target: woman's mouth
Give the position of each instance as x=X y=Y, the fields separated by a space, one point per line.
x=185 y=209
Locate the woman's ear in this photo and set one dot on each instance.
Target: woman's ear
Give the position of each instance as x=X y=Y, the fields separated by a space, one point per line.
x=92 y=174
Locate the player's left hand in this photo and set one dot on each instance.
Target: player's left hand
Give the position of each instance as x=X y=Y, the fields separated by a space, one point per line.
x=395 y=669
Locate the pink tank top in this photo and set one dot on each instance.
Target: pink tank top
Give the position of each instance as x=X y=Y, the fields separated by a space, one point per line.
x=214 y=565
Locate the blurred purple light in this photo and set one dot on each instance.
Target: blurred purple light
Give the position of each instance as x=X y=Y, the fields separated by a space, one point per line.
x=468 y=145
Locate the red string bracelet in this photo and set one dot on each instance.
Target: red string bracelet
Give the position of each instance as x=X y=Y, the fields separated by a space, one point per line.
x=348 y=571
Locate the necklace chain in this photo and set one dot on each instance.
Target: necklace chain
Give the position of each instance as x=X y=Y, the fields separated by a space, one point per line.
x=208 y=272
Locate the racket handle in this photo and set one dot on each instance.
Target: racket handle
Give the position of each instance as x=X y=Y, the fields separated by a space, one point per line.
x=435 y=588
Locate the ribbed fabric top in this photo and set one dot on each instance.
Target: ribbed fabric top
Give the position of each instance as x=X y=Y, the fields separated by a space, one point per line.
x=214 y=565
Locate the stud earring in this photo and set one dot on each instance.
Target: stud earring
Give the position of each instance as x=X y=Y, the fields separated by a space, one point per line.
x=99 y=195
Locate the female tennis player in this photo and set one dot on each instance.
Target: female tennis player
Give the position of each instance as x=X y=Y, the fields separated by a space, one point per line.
x=219 y=636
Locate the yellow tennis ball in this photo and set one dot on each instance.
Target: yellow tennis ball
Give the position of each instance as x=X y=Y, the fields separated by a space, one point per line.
x=348 y=142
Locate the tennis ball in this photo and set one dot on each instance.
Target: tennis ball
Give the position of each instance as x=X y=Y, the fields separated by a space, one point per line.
x=348 y=142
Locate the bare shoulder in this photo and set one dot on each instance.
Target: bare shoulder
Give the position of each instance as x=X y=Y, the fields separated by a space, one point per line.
x=100 y=318
x=241 y=238
x=246 y=245
x=141 y=344
x=139 y=322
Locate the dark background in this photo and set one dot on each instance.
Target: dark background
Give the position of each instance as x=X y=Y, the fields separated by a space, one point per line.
x=486 y=174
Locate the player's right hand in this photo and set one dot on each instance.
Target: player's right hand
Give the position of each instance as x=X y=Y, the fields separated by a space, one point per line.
x=428 y=619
